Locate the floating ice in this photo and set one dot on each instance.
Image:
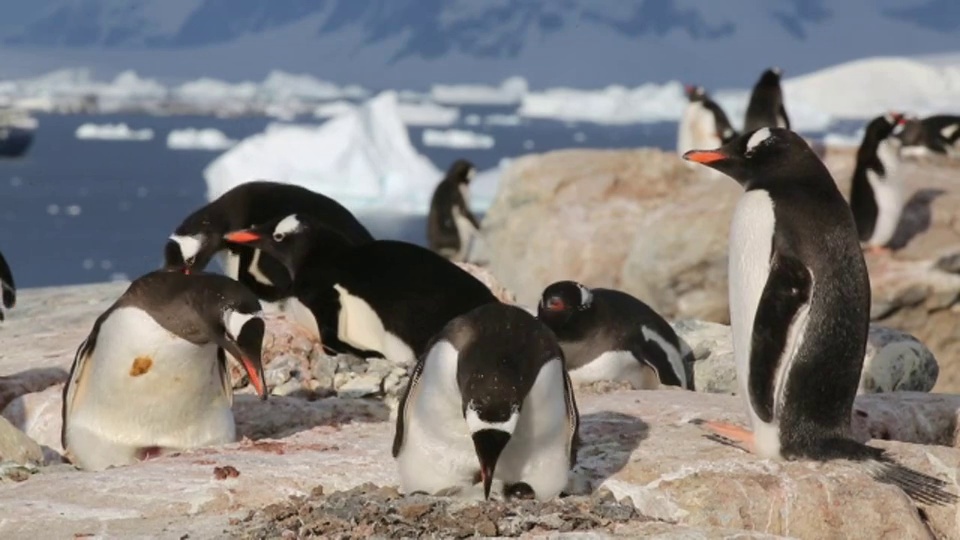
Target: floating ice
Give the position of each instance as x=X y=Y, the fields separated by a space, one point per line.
x=457 y=138
x=361 y=158
x=502 y=120
x=510 y=92
x=333 y=108
x=198 y=139
x=612 y=105
x=427 y=114
x=113 y=132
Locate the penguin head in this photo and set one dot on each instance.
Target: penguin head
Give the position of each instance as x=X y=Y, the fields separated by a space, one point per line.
x=694 y=93
x=190 y=248
x=770 y=77
x=241 y=334
x=461 y=171
x=491 y=425
x=289 y=239
x=561 y=301
x=763 y=154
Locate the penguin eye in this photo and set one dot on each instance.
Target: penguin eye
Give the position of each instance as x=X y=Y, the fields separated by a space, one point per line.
x=279 y=236
x=556 y=304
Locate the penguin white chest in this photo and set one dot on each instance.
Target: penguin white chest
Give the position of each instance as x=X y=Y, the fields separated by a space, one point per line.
x=888 y=193
x=697 y=129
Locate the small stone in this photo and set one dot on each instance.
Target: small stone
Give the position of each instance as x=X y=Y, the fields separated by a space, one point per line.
x=281 y=370
x=361 y=386
x=289 y=387
x=227 y=471
x=16 y=446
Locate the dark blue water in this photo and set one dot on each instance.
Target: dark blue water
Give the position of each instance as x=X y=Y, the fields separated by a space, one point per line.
x=82 y=211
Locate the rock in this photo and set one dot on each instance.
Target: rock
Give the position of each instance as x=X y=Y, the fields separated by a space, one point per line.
x=640 y=221
x=15 y=446
x=894 y=361
x=367 y=384
x=487 y=278
x=637 y=445
x=29 y=381
x=323 y=368
x=39 y=416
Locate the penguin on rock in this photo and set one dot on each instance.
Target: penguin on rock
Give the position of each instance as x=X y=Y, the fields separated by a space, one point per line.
x=799 y=309
x=608 y=335
x=877 y=189
x=703 y=124
x=379 y=299
x=489 y=401
x=152 y=375
x=200 y=236
x=766 y=108
x=451 y=225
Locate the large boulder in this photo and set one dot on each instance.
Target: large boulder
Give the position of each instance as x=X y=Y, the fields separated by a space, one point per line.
x=641 y=221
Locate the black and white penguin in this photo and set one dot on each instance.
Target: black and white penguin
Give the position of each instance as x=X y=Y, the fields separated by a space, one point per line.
x=489 y=401
x=608 y=335
x=384 y=298
x=200 y=236
x=152 y=375
x=8 y=290
x=451 y=226
x=766 y=103
x=939 y=134
x=877 y=190
x=703 y=124
x=799 y=308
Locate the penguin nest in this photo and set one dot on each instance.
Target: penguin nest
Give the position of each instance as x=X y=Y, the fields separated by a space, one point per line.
x=381 y=512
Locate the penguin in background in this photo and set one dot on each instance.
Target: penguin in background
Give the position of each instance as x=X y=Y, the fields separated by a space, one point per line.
x=877 y=190
x=799 y=309
x=451 y=225
x=703 y=124
x=489 y=401
x=200 y=236
x=609 y=335
x=939 y=134
x=152 y=377
x=8 y=290
x=766 y=107
x=384 y=298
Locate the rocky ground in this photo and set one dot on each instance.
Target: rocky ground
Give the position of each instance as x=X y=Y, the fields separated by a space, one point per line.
x=642 y=221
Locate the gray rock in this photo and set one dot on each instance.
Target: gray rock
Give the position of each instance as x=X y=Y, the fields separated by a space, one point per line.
x=15 y=446
x=894 y=361
x=281 y=370
x=322 y=369
x=359 y=386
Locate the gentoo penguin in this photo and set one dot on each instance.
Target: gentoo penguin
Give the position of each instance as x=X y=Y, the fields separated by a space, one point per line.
x=8 y=290
x=384 y=298
x=766 y=103
x=450 y=224
x=200 y=236
x=704 y=124
x=151 y=377
x=610 y=335
x=876 y=195
x=799 y=308
x=488 y=400
x=939 y=134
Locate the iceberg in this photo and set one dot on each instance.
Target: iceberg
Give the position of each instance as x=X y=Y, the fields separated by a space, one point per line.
x=334 y=108
x=457 y=138
x=113 y=132
x=611 y=105
x=427 y=113
x=362 y=158
x=198 y=139
x=510 y=92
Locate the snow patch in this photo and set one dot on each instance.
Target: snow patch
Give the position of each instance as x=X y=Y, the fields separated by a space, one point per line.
x=457 y=138
x=198 y=139
x=113 y=132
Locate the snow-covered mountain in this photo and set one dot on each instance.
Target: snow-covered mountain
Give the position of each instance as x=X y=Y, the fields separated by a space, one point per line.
x=412 y=43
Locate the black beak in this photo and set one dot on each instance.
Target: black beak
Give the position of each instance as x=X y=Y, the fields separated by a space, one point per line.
x=489 y=444
x=247 y=348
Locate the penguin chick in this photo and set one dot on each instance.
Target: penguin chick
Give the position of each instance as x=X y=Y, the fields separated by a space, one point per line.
x=490 y=399
x=610 y=335
x=151 y=377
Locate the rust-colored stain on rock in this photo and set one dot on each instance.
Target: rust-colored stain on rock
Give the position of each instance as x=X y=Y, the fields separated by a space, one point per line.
x=141 y=365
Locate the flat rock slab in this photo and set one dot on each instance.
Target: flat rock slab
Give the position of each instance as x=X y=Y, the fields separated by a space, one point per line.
x=639 y=445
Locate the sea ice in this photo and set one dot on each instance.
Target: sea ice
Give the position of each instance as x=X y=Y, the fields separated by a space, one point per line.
x=113 y=132
x=510 y=92
x=198 y=139
x=457 y=138
x=427 y=113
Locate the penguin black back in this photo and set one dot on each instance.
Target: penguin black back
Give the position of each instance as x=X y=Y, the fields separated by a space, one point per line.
x=766 y=107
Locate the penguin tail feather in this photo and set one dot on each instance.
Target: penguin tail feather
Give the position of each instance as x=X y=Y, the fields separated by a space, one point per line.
x=878 y=464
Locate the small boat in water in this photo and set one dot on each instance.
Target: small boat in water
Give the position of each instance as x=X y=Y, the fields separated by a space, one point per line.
x=17 y=128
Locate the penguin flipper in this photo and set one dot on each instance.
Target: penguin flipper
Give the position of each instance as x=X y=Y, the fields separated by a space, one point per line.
x=75 y=388
x=652 y=354
x=573 y=419
x=783 y=114
x=409 y=395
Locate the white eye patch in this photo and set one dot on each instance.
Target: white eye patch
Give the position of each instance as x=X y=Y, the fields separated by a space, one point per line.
x=759 y=137
x=189 y=245
x=586 y=296
x=287 y=225
x=234 y=321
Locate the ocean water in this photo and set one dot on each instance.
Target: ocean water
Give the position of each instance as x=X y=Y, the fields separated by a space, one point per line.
x=82 y=211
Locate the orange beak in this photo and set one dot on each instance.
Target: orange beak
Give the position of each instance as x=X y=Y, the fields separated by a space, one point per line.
x=704 y=156
x=241 y=237
x=255 y=373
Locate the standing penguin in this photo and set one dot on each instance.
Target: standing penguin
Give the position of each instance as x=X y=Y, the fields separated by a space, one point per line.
x=610 y=335
x=799 y=308
x=152 y=375
x=876 y=192
x=200 y=236
x=489 y=400
x=8 y=290
x=450 y=224
x=383 y=298
x=766 y=103
x=704 y=124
